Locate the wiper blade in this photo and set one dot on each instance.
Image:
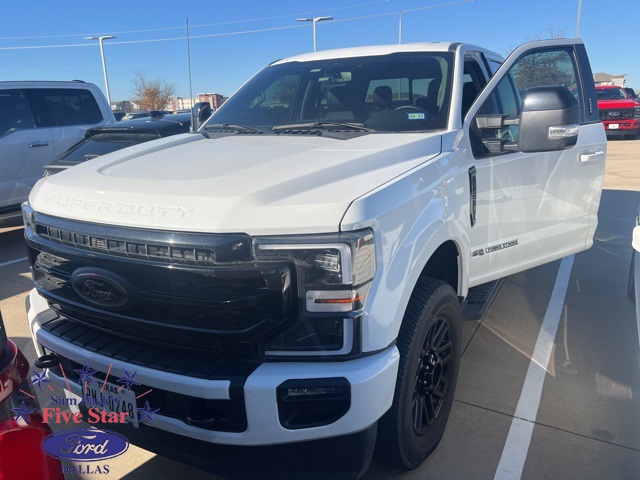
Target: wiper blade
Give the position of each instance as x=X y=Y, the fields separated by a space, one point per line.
x=312 y=125
x=232 y=126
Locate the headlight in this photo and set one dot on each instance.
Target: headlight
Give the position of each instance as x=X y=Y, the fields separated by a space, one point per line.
x=27 y=215
x=334 y=273
x=636 y=112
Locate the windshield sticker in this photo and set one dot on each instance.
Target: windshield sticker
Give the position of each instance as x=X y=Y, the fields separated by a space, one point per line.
x=416 y=116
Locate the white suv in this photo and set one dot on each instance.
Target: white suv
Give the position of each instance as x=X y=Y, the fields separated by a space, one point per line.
x=38 y=121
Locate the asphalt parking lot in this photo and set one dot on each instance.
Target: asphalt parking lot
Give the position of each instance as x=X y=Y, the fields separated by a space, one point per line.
x=549 y=383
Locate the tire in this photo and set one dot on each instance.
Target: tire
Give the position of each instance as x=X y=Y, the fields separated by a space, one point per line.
x=631 y=136
x=429 y=344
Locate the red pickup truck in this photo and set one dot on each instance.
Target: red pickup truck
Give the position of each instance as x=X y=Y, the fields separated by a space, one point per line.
x=619 y=113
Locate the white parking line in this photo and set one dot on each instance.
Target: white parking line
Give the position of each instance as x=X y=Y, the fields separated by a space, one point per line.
x=11 y=262
x=515 y=450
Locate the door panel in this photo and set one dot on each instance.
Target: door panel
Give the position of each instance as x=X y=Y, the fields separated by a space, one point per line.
x=533 y=207
x=25 y=147
x=24 y=154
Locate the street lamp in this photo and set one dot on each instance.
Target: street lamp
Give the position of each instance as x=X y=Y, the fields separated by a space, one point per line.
x=579 y=15
x=314 y=20
x=101 y=39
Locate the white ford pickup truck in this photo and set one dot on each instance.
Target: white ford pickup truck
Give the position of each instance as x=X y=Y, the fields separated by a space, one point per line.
x=287 y=281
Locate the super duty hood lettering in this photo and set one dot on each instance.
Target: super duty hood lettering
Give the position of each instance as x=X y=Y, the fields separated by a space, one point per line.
x=102 y=206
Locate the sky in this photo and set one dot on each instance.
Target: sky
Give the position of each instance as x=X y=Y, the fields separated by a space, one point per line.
x=231 y=40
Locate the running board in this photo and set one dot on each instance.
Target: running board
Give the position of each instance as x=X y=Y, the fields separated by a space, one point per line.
x=479 y=299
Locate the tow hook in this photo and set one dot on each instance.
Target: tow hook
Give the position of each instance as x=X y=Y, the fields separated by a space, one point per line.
x=47 y=361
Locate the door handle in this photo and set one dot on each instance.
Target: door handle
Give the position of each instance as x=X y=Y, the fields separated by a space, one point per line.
x=591 y=157
x=38 y=144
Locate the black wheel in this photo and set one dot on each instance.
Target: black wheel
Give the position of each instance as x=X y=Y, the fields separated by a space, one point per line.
x=429 y=345
x=631 y=136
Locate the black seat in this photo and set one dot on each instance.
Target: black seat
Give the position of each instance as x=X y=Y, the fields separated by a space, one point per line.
x=338 y=101
x=382 y=98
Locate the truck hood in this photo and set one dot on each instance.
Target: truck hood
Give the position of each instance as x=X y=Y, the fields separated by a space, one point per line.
x=607 y=104
x=260 y=185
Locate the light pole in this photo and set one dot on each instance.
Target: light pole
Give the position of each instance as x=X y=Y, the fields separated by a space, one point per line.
x=314 y=20
x=101 y=39
x=579 y=15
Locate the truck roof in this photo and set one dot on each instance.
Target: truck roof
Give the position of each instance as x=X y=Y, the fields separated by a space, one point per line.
x=8 y=84
x=379 y=50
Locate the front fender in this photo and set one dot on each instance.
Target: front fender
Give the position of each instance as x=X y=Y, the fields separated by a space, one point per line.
x=411 y=218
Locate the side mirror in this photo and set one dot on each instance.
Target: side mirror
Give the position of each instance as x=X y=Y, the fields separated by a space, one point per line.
x=156 y=114
x=200 y=113
x=549 y=120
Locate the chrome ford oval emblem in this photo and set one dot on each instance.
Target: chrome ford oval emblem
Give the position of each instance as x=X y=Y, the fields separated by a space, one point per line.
x=102 y=288
x=614 y=114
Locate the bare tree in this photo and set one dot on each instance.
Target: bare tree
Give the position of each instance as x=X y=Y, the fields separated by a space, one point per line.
x=547 y=68
x=152 y=94
x=550 y=33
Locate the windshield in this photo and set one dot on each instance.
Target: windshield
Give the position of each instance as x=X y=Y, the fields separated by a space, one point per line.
x=611 y=94
x=398 y=92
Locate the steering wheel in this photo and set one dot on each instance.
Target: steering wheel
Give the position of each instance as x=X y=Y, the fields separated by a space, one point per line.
x=412 y=108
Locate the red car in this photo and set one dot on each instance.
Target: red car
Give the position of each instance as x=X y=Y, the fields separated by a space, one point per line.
x=21 y=426
x=618 y=112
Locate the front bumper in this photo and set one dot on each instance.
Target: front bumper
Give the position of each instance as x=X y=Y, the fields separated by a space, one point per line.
x=626 y=125
x=371 y=379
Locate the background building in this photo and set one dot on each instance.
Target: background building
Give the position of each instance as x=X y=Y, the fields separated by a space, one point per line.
x=181 y=103
x=606 y=79
x=214 y=99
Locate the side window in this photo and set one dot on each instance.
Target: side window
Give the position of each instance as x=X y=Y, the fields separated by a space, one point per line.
x=494 y=66
x=473 y=82
x=554 y=67
x=15 y=111
x=70 y=106
x=548 y=67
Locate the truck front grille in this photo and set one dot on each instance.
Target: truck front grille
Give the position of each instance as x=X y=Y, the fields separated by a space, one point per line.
x=616 y=114
x=202 y=292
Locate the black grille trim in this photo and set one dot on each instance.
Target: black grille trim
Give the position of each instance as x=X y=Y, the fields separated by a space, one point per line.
x=155 y=245
x=190 y=364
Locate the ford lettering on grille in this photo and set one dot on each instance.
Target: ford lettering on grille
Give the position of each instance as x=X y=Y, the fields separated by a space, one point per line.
x=102 y=288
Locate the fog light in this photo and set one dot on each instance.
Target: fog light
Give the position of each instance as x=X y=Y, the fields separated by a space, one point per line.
x=293 y=392
x=312 y=402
